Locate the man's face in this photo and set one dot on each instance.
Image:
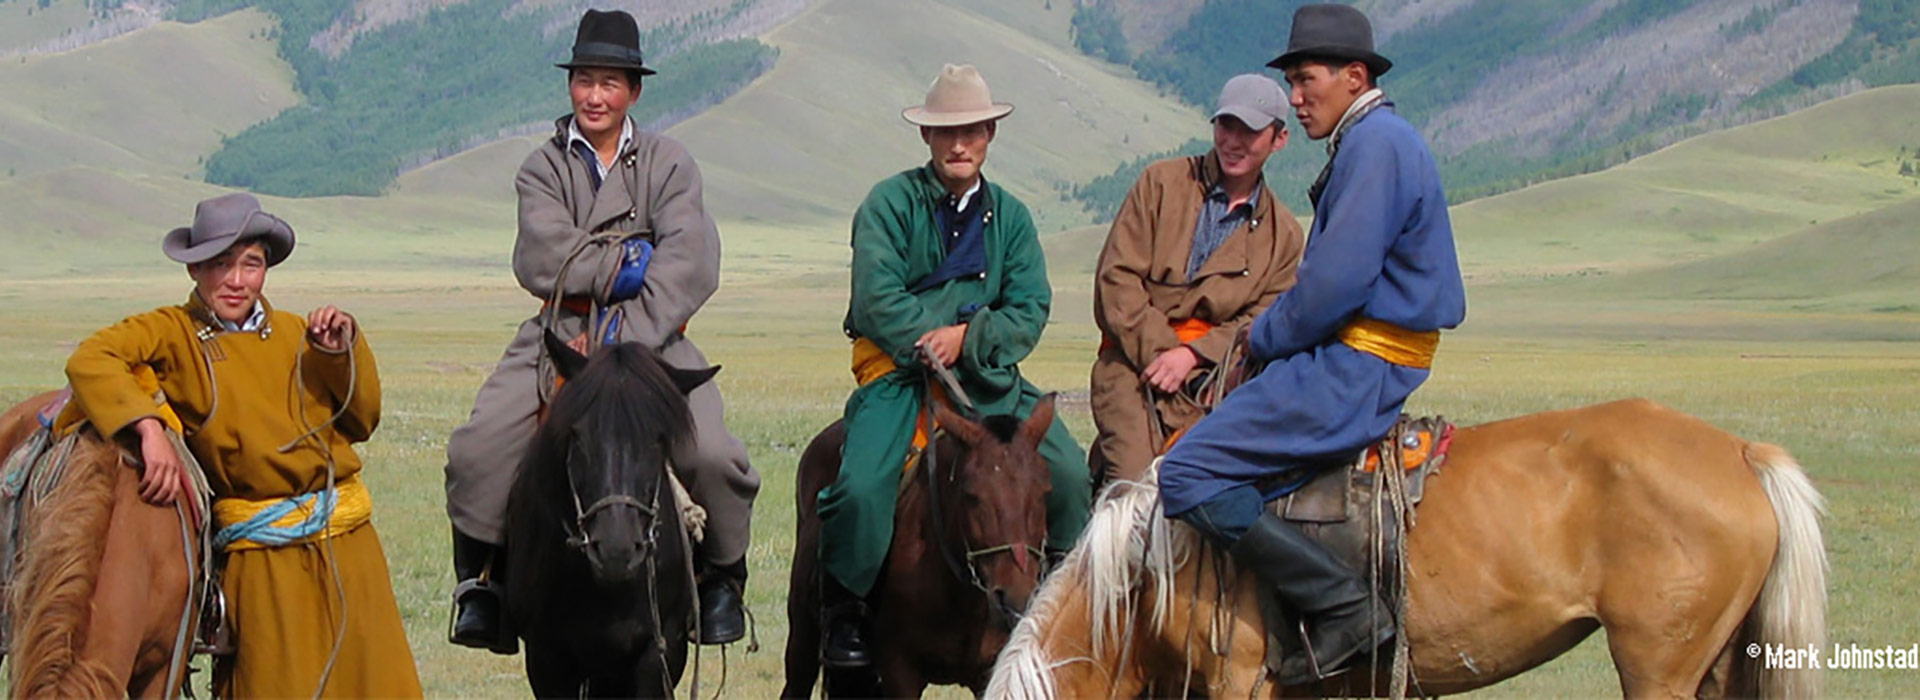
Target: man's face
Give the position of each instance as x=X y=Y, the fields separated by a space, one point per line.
x=1320 y=95
x=1243 y=150
x=230 y=283
x=601 y=97
x=958 y=151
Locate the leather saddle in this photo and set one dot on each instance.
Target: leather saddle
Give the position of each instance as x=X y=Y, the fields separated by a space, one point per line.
x=1355 y=509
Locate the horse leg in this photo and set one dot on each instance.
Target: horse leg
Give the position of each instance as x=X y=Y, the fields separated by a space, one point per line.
x=850 y=683
x=803 y=614
x=899 y=678
x=551 y=672
x=137 y=607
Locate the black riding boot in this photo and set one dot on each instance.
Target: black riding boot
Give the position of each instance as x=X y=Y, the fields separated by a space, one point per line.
x=479 y=600
x=1334 y=601
x=844 y=643
x=723 y=618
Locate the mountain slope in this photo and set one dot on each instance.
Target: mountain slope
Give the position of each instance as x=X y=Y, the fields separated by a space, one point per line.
x=154 y=101
x=1705 y=196
x=813 y=134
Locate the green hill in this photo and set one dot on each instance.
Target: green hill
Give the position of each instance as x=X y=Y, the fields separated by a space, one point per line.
x=810 y=137
x=1869 y=262
x=804 y=142
x=154 y=101
x=1706 y=196
x=1516 y=92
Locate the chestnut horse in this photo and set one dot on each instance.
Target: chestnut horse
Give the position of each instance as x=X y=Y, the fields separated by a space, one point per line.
x=965 y=558
x=76 y=630
x=1685 y=542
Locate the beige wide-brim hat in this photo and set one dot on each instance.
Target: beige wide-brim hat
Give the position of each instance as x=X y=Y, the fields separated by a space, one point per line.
x=958 y=97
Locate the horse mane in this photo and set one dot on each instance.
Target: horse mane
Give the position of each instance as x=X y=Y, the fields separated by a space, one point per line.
x=1003 y=427
x=623 y=392
x=52 y=593
x=1126 y=537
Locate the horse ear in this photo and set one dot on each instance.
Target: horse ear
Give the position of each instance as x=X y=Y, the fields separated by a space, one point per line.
x=1034 y=429
x=566 y=360
x=967 y=430
x=689 y=379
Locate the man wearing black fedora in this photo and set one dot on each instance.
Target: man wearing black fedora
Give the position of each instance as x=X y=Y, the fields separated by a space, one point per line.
x=1342 y=349
x=614 y=216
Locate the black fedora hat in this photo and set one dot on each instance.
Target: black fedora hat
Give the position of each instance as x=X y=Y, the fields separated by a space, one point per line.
x=607 y=39
x=1339 y=32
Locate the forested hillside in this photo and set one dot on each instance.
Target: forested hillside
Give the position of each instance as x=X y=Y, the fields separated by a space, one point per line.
x=1513 y=92
x=408 y=92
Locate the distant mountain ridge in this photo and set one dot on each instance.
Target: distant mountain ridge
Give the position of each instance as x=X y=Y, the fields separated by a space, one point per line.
x=1514 y=92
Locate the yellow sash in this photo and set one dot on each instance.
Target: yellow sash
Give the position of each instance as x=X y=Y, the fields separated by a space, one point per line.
x=353 y=509
x=1392 y=343
x=870 y=363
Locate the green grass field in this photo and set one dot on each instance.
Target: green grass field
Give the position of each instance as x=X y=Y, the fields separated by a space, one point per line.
x=1761 y=277
x=1845 y=408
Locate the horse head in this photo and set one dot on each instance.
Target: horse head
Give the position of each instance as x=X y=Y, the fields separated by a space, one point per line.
x=993 y=502
x=613 y=428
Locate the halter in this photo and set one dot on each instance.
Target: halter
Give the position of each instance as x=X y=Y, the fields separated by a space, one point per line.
x=965 y=568
x=577 y=536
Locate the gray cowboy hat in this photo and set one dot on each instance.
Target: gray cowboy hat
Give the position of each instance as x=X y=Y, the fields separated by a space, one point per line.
x=958 y=97
x=1339 y=32
x=607 y=39
x=220 y=222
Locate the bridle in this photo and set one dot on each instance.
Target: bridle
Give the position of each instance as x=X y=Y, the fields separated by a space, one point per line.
x=578 y=537
x=965 y=566
x=577 y=532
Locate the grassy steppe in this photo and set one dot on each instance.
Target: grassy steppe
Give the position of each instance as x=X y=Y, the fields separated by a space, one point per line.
x=1844 y=408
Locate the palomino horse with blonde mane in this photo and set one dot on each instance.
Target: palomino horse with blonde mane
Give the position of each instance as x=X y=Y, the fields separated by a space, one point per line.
x=101 y=595
x=1685 y=542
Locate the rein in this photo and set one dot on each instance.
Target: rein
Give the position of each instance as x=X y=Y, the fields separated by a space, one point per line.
x=963 y=567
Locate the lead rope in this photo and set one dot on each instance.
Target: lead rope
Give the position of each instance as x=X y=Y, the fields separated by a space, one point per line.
x=1390 y=500
x=177 y=668
x=326 y=451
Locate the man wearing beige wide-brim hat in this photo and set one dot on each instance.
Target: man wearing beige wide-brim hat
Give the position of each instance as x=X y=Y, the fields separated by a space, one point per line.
x=945 y=265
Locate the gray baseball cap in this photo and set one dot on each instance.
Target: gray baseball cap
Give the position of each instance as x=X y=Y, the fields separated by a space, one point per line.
x=1254 y=99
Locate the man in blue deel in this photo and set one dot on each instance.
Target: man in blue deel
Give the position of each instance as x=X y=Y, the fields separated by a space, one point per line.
x=1343 y=348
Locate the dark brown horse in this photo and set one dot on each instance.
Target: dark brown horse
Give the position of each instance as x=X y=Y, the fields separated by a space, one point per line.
x=1689 y=545
x=959 y=571
x=76 y=630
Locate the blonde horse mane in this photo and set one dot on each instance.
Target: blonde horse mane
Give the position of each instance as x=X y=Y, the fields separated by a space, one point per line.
x=52 y=593
x=1127 y=537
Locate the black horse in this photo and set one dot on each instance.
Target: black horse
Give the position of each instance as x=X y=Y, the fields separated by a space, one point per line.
x=603 y=591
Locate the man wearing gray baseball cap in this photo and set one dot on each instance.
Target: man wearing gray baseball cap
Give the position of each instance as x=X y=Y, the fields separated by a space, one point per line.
x=1198 y=249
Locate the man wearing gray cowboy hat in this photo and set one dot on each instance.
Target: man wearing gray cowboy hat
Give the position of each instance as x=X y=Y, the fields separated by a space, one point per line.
x=1342 y=349
x=1198 y=249
x=619 y=211
x=236 y=379
x=946 y=261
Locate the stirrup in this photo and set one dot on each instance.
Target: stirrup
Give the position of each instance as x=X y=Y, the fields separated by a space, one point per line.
x=215 y=637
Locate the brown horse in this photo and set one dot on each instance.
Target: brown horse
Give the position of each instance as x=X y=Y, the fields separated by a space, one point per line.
x=78 y=631
x=961 y=567
x=1685 y=542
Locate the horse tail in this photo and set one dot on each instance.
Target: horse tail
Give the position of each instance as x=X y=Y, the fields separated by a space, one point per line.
x=52 y=597
x=1791 y=611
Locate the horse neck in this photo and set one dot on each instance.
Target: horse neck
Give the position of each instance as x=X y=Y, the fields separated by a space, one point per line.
x=1049 y=656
